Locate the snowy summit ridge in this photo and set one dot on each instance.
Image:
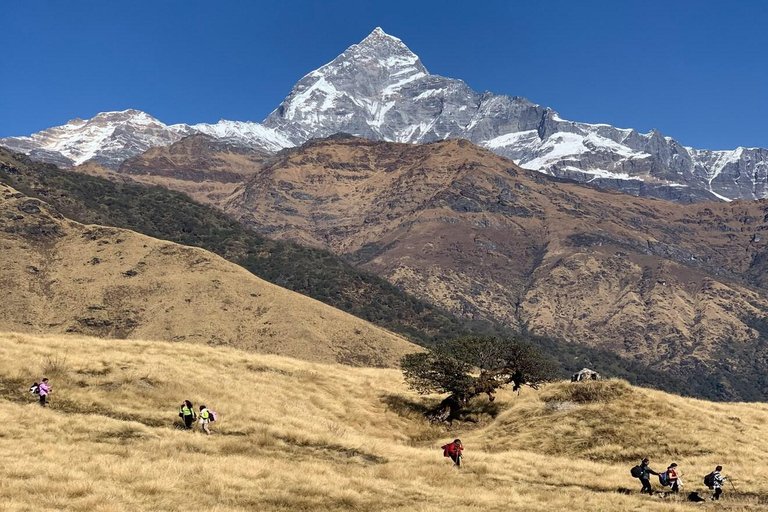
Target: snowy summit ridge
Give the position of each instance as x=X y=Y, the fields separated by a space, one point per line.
x=379 y=89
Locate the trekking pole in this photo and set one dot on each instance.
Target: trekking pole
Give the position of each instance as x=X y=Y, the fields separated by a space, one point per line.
x=734 y=487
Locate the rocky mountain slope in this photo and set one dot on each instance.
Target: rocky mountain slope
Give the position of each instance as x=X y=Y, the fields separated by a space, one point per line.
x=348 y=438
x=379 y=89
x=60 y=276
x=679 y=288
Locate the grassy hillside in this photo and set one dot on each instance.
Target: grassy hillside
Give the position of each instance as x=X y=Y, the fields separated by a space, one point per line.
x=61 y=276
x=295 y=435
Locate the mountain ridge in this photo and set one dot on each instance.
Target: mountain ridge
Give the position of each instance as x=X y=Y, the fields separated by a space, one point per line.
x=379 y=89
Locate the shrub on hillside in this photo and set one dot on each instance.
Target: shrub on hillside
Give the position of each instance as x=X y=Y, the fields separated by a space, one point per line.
x=468 y=367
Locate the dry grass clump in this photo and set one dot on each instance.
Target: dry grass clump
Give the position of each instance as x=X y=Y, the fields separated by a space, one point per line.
x=586 y=391
x=55 y=366
x=295 y=435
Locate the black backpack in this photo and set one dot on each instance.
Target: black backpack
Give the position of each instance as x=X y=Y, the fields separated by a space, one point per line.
x=636 y=472
x=34 y=389
x=709 y=480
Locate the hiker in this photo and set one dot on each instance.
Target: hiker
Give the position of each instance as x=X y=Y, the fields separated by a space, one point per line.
x=643 y=473
x=43 y=389
x=673 y=478
x=187 y=414
x=715 y=481
x=205 y=419
x=453 y=450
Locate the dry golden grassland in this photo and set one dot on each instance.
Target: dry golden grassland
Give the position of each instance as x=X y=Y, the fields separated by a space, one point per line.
x=60 y=276
x=295 y=435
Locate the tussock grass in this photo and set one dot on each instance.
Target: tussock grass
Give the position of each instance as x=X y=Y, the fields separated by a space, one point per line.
x=295 y=435
x=587 y=391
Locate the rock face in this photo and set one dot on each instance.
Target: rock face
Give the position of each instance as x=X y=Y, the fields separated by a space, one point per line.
x=380 y=90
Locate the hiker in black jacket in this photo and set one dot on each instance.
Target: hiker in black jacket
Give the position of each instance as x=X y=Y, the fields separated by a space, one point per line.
x=645 y=476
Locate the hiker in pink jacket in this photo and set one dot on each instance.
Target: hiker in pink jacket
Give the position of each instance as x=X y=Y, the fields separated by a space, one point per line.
x=44 y=389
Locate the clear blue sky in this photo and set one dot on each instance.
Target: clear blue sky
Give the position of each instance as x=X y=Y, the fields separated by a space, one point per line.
x=696 y=70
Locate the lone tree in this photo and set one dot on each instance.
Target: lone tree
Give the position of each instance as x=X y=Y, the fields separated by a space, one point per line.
x=468 y=367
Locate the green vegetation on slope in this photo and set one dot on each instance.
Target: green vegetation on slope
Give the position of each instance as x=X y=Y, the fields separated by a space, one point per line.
x=172 y=216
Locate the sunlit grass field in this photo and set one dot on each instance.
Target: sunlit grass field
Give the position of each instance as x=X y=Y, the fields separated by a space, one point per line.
x=294 y=435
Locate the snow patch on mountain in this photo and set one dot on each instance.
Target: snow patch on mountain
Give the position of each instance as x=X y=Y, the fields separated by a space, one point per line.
x=111 y=137
x=245 y=133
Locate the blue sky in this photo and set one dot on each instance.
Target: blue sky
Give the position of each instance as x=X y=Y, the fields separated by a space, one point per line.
x=695 y=70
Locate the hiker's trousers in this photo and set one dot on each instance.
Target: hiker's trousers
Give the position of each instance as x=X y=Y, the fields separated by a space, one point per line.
x=718 y=492
x=646 y=486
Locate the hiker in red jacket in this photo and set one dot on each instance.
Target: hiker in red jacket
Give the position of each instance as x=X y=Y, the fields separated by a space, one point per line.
x=673 y=478
x=453 y=450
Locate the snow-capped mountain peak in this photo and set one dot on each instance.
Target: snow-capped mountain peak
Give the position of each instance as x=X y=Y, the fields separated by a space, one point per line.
x=379 y=89
x=353 y=93
x=109 y=138
x=105 y=138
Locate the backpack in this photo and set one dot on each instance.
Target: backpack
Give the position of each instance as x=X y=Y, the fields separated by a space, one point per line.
x=709 y=480
x=34 y=389
x=212 y=416
x=663 y=479
x=636 y=472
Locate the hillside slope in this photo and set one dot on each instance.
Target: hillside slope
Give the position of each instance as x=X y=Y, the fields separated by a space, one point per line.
x=61 y=276
x=294 y=435
x=116 y=200
x=680 y=287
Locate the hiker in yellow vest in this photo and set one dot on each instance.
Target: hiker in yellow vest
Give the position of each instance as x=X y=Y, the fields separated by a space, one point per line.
x=205 y=419
x=187 y=414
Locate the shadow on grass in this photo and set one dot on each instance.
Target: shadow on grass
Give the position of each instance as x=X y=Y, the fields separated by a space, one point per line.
x=403 y=406
x=478 y=410
x=331 y=451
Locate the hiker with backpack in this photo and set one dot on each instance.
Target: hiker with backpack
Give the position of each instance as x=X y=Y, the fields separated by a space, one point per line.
x=454 y=451
x=206 y=417
x=187 y=414
x=643 y=473
x=43 y=389
x=715 y=481
x=673 y=478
